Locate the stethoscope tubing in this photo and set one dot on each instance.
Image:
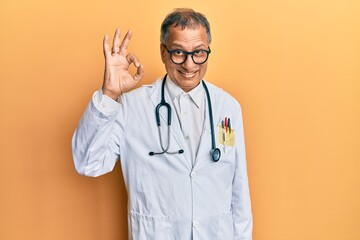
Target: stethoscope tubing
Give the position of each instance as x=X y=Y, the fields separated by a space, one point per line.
x=215 y=152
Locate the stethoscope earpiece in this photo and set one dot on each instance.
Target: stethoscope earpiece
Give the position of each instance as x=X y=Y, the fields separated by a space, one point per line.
x=178 y=152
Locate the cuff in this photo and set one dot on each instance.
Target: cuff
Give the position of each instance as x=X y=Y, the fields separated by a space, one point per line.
x=105 y=104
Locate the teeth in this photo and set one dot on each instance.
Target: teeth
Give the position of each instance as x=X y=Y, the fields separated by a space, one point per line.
x=188 y=74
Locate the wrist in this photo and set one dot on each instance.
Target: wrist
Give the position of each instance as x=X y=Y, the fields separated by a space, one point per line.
x=111 y=94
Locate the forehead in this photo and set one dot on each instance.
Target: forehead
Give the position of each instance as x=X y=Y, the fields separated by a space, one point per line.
x=189 y=36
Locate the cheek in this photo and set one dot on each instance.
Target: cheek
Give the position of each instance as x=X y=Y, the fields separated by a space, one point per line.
x=203 y=69
x=170 y=66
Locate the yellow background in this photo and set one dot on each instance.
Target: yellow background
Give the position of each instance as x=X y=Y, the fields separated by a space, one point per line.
x=294 y=65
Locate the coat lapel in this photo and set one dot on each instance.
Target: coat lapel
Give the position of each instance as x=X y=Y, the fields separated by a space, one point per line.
x=203 y=156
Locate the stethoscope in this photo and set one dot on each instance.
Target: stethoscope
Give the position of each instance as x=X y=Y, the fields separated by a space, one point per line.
x=215 y=152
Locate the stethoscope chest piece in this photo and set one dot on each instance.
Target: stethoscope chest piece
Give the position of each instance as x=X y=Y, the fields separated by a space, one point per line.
x=215 y=154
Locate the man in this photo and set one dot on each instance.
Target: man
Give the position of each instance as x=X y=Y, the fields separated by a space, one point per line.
x=186 y=179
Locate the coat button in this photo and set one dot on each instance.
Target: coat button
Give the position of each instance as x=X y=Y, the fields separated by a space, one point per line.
x=195 y=224
x=192 y=174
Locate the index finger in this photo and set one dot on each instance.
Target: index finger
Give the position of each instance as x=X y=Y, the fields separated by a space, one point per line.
x=125 y=43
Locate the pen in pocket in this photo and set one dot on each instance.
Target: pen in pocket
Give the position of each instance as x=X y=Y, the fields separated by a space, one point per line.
x=229 y=125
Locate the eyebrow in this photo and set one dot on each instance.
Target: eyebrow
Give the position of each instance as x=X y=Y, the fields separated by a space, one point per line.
x=176 y=45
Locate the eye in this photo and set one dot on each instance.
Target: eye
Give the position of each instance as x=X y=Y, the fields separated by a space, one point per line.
x=178 y=52
x=199 y=52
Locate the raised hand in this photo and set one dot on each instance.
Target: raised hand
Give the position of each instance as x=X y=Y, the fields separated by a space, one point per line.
x=117 y=78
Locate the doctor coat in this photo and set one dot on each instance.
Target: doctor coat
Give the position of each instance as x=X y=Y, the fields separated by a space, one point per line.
x=170 y=198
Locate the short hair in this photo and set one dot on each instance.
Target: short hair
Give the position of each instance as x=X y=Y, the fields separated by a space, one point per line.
x=184 y=17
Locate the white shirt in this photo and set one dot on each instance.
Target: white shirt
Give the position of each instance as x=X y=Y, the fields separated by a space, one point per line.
x=190 y=112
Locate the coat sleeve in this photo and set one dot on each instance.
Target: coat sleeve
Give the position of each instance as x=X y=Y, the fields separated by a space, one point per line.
x=241 y=204
x=95 y=146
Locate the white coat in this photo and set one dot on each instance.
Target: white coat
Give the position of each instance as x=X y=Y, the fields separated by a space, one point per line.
x=169 y=199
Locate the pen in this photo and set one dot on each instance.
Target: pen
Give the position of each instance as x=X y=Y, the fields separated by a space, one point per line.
x=229 y=125
x=226 y=124
x=223 y=133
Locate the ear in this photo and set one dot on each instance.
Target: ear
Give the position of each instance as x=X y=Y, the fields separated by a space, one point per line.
x=162 y=52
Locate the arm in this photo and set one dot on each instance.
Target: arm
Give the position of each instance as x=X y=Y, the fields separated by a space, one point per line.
x=96 y=141
x=95 y=145
x=241 y=204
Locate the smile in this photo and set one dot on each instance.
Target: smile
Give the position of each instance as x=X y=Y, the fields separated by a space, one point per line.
x=188 y=74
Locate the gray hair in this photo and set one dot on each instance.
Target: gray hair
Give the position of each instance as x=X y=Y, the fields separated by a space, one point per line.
x=184 y=17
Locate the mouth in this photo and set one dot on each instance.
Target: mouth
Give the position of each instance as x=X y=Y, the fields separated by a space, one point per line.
x=188 y=75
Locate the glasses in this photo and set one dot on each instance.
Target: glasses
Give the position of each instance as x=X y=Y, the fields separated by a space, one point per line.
x=179 y=56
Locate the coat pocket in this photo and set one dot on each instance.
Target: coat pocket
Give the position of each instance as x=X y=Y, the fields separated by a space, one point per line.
x=147 y=227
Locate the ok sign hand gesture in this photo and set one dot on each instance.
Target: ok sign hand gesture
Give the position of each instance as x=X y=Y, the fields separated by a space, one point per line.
x=117 y=78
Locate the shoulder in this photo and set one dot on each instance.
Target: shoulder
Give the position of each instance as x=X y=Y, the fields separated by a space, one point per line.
x=220 y=96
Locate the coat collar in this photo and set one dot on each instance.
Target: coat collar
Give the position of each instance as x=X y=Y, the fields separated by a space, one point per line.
x=196 y=94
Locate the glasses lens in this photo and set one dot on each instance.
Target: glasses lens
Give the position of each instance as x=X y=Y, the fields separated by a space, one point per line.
x=200 y=56
x=178 y=56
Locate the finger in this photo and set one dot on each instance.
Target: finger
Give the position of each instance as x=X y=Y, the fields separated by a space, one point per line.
x=131 y=58
x=125 y=43
x=106 y=47
x=116 y=42
x=139 y=73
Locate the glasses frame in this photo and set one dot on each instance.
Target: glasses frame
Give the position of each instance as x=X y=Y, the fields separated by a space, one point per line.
x=187 y=54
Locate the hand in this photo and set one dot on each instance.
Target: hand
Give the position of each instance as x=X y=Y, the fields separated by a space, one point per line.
x=117 y=78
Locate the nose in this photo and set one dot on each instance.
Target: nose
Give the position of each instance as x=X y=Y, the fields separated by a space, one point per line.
x=189 y=63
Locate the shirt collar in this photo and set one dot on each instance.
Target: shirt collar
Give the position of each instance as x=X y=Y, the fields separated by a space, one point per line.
x=196 y=94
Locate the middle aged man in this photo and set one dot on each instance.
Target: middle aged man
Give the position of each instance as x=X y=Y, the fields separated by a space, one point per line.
x=179 y=140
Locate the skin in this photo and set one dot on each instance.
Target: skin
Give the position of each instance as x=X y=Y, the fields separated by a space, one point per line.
x=118 y=80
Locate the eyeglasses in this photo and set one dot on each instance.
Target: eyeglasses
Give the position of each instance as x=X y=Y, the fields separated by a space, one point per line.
x=179 y=56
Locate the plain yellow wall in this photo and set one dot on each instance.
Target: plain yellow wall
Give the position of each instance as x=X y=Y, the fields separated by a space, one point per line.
x=294 y=65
